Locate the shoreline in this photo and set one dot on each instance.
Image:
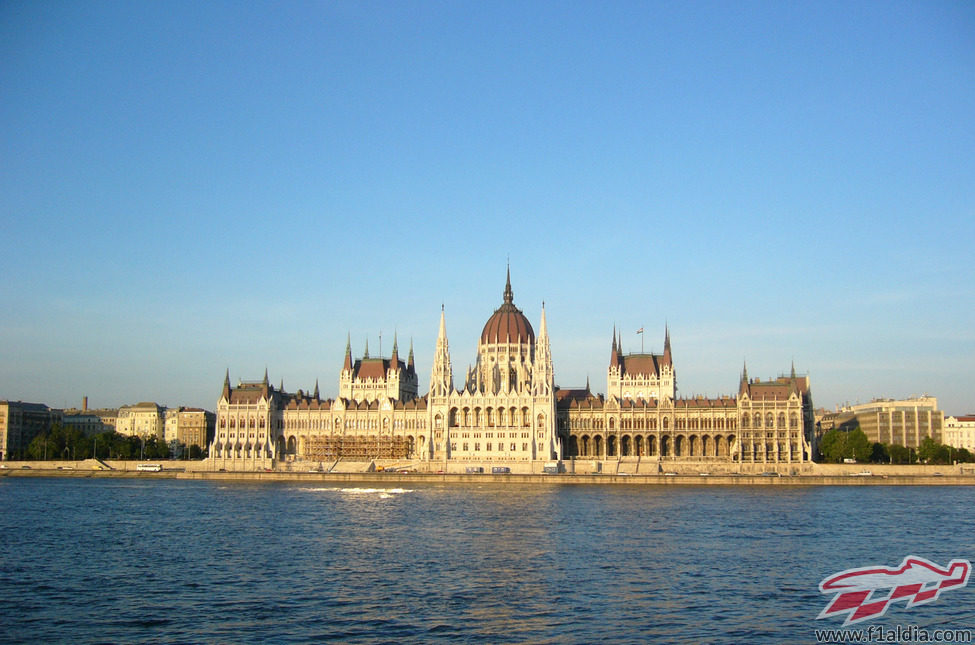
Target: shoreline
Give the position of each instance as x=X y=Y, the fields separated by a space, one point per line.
x=487 y=478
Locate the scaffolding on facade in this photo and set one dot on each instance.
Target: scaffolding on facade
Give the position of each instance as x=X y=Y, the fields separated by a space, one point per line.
x=354 y=448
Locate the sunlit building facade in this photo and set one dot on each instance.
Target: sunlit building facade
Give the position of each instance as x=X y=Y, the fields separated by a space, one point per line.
x=508 y=410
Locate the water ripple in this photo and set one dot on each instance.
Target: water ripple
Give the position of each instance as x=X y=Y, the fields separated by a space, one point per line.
x=107 y=561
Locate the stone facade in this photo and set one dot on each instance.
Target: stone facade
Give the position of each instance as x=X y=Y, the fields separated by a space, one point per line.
x=142 y=420
x=189 y=426
x=505 y=411
x=769 y=422
x=19 y=423
x=959 y=432
x=509 y=411
x=88 y=423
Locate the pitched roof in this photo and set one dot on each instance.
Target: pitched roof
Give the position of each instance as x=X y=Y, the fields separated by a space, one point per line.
x=642 y=364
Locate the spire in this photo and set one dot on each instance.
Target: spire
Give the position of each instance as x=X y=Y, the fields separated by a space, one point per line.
x=394 y=359
x=793 y=375
x=614 y=355
x=264 y=385
x=409 y=361
x=226 y=385
x=543 y=376
x=743 y=386
x=366 y=354
x=347 y=364
x=509 y=296
x=668 y=359
x=317 y=398
x=441 y=376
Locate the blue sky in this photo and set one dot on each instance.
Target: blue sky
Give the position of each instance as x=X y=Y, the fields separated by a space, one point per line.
x=190 y=187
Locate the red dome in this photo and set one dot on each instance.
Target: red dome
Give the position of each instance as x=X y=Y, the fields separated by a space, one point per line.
x=507 y=324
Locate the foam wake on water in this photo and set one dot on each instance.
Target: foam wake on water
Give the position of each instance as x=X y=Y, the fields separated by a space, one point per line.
x=382 y=492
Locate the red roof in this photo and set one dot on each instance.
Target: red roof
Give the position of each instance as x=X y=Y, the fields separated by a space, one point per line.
x=507 y=324
x=374 y=368
x=644 y=364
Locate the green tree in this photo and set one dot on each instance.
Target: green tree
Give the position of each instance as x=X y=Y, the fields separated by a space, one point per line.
x=38 y=446
x=898 y=454
x=879 y=454
x=832 y=445
x=857 y=446
x=928 y=450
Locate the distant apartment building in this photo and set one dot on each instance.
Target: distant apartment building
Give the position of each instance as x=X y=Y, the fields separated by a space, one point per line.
x=905 y=422
x=142 y=420
x=959 y=432
x=189 y=426
x=19 y=423
x=108 y=417
x=838 y=420
x=88 y=423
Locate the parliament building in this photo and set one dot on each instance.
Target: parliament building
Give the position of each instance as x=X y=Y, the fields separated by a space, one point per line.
x=509 y=413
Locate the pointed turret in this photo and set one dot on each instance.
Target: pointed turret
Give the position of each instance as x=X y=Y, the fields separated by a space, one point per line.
x=614 y=355
x=265 y=388
x=668 y=359
x=543 y=378
x=394 y=360
x=743 y=384
x=317 y=396
x=226 y=385
x=409 y=361
x=347 y=365
x=441 y=376
x=509 y=296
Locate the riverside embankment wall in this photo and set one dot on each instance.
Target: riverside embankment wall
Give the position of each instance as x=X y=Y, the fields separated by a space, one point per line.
x=88 y=469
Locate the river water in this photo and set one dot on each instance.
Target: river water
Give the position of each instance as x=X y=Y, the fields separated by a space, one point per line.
x=167 y=561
